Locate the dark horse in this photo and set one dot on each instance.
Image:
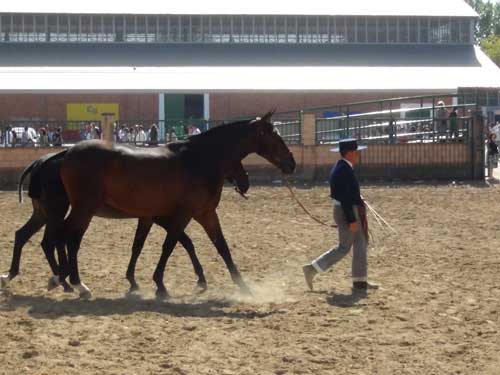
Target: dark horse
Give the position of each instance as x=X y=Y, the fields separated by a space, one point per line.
x=50 y=205
x=182 y=182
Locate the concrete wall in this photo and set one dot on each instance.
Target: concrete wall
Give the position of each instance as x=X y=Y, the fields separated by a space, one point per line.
x=14 y=160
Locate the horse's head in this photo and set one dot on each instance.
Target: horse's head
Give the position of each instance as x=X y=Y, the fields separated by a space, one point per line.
x=270 y=145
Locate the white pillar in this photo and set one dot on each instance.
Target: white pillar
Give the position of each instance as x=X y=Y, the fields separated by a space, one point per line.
x=206 y=106
x=161 y=115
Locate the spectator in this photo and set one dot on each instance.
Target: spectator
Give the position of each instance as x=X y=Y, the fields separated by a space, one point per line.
x=193 y=130
x=7 y=136
x=442 y=118
x=153 y=135
x=13 y=138
x=97 y=132
x=43 y=137
x=122 y=134
x=492 y=154
x=57 y=140
x=131 y=135
x=453 y=119
x=26 y=138
x=140 y=137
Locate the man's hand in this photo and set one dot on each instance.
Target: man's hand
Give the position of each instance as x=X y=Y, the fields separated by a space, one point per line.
x=353 y=227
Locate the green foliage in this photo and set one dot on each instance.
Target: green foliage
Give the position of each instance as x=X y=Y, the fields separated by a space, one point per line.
x=488 y=27
x=491 y=46
x=489 y=18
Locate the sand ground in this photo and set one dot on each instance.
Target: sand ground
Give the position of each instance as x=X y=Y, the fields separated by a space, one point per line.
x=437 y=311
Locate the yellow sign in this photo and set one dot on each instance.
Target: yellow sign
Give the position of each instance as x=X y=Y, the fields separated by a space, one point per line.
x=77 y=112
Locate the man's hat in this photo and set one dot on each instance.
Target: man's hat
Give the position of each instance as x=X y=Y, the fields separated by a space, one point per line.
x=348 y=145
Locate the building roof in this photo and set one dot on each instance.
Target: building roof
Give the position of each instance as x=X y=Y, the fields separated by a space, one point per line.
x=215 y=68
x=441 y=8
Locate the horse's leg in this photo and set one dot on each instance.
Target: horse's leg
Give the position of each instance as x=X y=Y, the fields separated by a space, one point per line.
x=56 y=207
x=175 y=229
x=210 y=222
x=141 y=233
x=198 y=269
x=74 y=228
x=33 y=225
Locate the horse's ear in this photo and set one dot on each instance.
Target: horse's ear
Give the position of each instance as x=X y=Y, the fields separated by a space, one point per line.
x=268 y=115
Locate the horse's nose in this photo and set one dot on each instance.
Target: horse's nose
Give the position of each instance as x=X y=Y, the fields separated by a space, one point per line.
x=288 y=165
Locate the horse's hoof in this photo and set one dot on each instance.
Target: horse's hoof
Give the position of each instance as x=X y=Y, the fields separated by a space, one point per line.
x=133 y=288
x=162 y=294
x=67 y=287
x=85 y=295
x=245 y=290
x=53 y=283
x=4 y=281
x=202 y=287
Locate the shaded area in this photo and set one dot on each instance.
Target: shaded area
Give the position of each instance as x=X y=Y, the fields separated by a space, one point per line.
x=165 y=55
x=40 y=307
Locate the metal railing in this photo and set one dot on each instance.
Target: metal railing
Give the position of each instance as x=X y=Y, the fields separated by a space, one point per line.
x=405 y=125
x=137 y=132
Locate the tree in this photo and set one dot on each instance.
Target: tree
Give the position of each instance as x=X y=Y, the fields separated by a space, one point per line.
x=487 y=31
x=491 y=46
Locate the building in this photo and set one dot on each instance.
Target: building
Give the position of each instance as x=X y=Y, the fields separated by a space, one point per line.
x=153 y=60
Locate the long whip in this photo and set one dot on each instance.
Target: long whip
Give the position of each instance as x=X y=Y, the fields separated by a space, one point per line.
x=292 y=193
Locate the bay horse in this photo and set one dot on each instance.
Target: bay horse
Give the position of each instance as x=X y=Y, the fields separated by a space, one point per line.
x=182 y=181
x=50 y=205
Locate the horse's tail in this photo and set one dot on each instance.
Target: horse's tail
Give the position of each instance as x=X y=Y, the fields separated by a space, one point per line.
x=25 y=173
x=32 y=169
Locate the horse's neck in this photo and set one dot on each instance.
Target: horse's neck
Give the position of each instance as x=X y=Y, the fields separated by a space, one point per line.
x=233 y=151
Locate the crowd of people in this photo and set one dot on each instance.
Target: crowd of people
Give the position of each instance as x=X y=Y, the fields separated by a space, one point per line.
x=29 y=137
x=48 y=136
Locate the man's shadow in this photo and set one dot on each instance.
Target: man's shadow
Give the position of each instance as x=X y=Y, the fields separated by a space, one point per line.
x=346 y=300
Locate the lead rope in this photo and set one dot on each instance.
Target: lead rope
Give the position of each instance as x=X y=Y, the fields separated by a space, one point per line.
x=292 y=193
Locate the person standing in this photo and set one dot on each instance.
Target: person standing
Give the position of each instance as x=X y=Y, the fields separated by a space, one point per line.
x=453 y=119
x=492 y=154
x=153 y=135
x=442 y=121
x=350 y=216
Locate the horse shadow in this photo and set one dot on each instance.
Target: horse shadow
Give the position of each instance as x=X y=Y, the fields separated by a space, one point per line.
x=346 y=300
x=40 y=307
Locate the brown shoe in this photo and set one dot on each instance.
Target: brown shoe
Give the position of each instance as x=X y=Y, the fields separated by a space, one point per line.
x=364 y=285
x=309 y=273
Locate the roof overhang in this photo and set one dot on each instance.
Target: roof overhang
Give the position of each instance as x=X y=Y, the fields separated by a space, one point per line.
x=250 y=78
x=433 y=8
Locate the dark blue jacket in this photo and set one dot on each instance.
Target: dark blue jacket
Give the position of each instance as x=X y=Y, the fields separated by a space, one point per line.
x=345 y=188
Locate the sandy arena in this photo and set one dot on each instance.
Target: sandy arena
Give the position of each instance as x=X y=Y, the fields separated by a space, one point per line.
x=437 y=311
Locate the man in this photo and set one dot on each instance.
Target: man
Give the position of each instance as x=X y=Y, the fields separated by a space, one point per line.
x=349 y=215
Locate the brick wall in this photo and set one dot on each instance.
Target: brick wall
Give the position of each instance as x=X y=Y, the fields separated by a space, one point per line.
x=145 y=106
x=224 y=106
x=53 y=107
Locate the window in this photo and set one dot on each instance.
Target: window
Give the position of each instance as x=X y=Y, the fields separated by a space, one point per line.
x=271 y=35
x=351 y=29
x=185 y=28
x=465 y=31
x=292 y=29
x=382 y=30
x=434 y=33
x=392 y=30
x=413 y=32
x=324 y=29
x=361 y=29
x=371 y=24
x=455 y=31
x=403 y=30
x=281 y=29
x=424 y=30
x=152 y=24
